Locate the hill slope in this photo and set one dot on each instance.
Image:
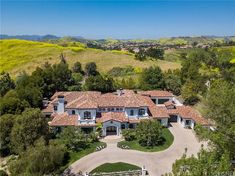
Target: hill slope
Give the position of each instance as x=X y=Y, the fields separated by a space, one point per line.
x=21 y=55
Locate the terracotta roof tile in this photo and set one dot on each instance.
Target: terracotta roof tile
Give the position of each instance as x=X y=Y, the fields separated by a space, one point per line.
x=157 y=93
x=188 y=112
x=156 y=112
x=64 y=120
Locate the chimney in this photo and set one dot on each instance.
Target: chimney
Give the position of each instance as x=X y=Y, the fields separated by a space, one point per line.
x=45 y=102
x=61 y=104
x=119 y=92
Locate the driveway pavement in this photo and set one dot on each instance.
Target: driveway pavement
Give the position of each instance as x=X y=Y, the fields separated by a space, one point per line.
x=156 y=163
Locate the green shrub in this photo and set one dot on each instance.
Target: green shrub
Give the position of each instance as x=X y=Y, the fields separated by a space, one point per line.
x=149 y=133
x=129 y=134
x=3 y=173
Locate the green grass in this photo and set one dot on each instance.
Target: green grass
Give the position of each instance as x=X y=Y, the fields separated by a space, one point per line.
x=115 y=167
x=21 y=55
x=74 y=156
x=134 y=145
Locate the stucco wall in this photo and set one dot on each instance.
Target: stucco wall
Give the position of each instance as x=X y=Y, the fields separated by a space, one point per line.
x=136 y=112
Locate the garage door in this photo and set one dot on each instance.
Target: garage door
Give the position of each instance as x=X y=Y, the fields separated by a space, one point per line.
x=173 y=118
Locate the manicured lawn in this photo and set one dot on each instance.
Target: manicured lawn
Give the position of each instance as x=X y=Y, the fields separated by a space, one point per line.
x=169 y=138
x=115 y=167
x=74 y=156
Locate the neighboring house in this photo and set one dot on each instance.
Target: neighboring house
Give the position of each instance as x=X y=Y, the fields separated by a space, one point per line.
x=116 y=111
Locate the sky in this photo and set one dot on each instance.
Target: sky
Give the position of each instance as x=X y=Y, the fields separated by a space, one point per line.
x=118 y=18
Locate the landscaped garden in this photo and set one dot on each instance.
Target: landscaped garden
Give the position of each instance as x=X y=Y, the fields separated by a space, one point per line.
x=115 y=167
x=149 y=136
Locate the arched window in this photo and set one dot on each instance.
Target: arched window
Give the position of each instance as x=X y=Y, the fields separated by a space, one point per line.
x=123 y=126
x=87 y=115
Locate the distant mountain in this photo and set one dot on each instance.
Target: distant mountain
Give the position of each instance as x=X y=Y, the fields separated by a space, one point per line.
x=29 y=37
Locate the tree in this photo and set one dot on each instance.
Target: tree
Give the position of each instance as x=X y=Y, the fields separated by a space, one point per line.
x=62 y=58
x=39 y=160
x=30 y=94
x=220 y=103
x=206 y=163
x=189 y=93
x=62 y=76
x=149 y=133
x=155 y=53
x=6 y=83
x=173 y=82
x=91 y=69
x=99 y=83
x=6 y=124
x=152 y=78
x=74 y=139
x=77 y=67
x=28 y=127
x=190 y=67
x=77 y=82
x=11 y=103
x=141 y=56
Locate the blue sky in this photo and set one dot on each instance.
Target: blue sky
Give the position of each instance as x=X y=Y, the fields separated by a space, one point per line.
x=118 y=19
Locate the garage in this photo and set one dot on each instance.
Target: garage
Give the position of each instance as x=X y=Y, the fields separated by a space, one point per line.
x=111 y=130
x=173 y=118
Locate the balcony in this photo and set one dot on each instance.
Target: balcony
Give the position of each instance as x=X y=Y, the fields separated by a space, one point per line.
x=87 y=121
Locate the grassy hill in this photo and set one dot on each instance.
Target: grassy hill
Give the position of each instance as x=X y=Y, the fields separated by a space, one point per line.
x=21 y=55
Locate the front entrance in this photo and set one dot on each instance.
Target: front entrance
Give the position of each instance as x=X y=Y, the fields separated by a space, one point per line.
x=111 y=130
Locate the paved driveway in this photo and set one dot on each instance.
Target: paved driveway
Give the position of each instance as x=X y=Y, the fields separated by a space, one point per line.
x=157 y=163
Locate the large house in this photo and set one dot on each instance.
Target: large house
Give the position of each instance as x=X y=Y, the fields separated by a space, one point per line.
x=119 y=110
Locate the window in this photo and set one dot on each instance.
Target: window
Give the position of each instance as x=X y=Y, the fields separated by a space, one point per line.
x=87 y=115
x=123 y=126
x=162 y=101
x=112 y=109
x=55 y=108
x=141 y=111
x=117 y=109
x=187 y=122
x=132 y=112
x=109 y=109
x=121 y=109
x=131 y=126
x=73 y=111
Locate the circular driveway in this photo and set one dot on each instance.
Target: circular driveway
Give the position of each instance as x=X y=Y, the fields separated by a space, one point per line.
x=157 y=163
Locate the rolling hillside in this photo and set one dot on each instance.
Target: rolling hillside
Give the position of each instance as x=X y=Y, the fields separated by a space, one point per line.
x=21 y=55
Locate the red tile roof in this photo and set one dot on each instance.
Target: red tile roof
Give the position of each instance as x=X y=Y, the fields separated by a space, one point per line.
x=156 y=112
x=64 y=120
x=157 y=93
x=187 y=112
x=92 y=99
x=169 y=103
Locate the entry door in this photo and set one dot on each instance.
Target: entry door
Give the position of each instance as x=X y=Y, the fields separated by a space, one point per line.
x=111 y=130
